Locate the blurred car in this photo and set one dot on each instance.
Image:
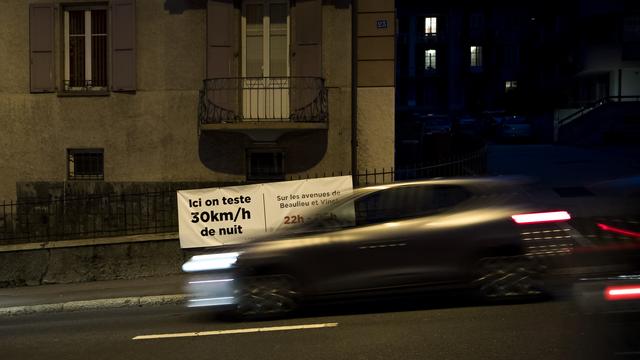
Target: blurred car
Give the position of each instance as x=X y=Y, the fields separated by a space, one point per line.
x=515 y=127
x=477 y=233
x=608 y=263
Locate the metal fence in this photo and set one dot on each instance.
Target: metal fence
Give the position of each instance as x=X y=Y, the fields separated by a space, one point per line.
x=93 y=216
x=89 y=216
x=470 y=164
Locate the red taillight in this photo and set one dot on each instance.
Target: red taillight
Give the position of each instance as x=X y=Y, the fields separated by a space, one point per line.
x=612 y=229
x=629 y=292
x=534 y=218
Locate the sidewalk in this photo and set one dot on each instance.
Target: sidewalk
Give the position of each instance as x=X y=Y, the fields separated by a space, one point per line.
x=92 y=295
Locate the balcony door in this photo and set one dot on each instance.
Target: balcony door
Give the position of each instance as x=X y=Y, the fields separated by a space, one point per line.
x=265 y=60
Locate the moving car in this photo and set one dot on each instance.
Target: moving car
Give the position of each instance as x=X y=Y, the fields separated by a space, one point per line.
x=479 y=233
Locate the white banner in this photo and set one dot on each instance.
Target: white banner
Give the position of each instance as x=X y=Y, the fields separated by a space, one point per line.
x=232 y=215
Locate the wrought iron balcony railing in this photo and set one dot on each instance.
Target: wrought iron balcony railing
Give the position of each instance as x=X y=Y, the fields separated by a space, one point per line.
x=296 y=99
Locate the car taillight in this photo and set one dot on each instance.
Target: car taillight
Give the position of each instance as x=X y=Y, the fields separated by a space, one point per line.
x=542 y=217
x=628 y=292
x=612 y=229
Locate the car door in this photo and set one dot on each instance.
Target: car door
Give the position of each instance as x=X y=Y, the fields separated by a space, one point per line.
x=404 y=247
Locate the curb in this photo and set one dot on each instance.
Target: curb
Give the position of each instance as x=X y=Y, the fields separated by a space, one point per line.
x=94 y=304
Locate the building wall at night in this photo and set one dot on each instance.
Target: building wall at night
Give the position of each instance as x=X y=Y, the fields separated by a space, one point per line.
x=537 y=59
x=150 y=133
x=487 y=56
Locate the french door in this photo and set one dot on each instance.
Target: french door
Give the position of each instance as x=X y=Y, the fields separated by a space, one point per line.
x=265 y=60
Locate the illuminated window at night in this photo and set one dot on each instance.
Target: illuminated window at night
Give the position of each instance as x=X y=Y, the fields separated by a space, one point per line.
x=430 y=26
x=510 y=85
x=430 y=59
x=476 y=56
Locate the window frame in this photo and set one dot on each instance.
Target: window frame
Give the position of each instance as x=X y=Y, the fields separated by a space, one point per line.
x=430 y=26
x=475 y=57
x=67 y=90
x=71 y=168
x=266 y=36
x=433 y=60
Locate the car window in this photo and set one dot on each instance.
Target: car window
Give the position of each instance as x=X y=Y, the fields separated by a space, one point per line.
x=406 y=202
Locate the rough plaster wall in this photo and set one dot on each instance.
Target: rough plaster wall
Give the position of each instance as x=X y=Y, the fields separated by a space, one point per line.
x=150 y=135
x=147 y=136
x=376 y=123
x=90 y=263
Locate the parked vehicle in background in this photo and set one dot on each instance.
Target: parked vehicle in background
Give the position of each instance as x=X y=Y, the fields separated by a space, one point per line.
x=477 y=233
x=469 y=125
x=436 y=124
x=515 y=127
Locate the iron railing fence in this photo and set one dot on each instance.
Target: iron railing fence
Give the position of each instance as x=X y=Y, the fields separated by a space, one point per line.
x=104 y=215
x=470 y=164
x=89 y=216
x=229 y=100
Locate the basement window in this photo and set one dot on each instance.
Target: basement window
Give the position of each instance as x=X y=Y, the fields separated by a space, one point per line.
x=265 y=164
x=85 y=164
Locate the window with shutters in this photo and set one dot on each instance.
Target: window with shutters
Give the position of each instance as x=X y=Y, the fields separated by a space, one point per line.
x=85 y=48
x=97 y=47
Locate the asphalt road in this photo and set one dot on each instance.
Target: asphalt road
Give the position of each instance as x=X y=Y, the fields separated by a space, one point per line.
x=546 y=330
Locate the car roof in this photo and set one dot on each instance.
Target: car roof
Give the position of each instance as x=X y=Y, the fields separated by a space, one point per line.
x=496 y=181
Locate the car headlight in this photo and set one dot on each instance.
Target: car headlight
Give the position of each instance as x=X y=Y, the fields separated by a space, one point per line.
x=210 y=262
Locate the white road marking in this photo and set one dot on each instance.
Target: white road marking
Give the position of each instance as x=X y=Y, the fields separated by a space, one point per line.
x=235 y=331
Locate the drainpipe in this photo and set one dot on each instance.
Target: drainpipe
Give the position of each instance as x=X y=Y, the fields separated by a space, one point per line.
x=619 y=85
x=354 y=92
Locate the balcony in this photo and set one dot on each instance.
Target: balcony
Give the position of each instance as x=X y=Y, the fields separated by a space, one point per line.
x=263 y=108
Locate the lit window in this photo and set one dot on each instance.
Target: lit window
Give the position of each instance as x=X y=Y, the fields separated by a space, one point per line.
x=510 y=85
x=85 y=49
x=476 y=56
x=85 y=164
x=430 y=59
x=430 y=26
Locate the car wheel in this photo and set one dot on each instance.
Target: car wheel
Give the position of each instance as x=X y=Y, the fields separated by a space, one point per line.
x=266 y=296
x=510 y=278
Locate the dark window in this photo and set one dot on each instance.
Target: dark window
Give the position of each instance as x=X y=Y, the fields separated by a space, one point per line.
x=265 y=165
x=476 y=22
x=85 y=164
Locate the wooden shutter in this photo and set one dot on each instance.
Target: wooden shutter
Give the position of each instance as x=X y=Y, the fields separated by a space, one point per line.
x=220 y=35
x=306 y=55
x=221 y=62
x=123 y=45
x=41 y=48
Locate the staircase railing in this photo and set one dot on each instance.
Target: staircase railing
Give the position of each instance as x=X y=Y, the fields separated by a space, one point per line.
x=560 y=122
